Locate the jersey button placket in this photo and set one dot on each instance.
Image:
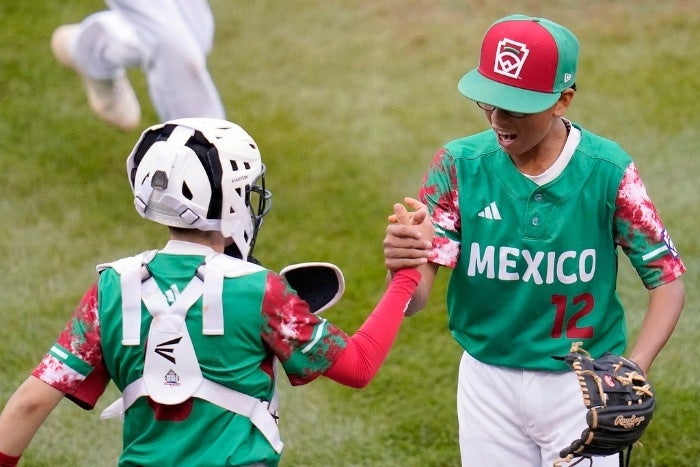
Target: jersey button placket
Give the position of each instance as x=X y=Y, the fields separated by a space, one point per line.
x=534 y=216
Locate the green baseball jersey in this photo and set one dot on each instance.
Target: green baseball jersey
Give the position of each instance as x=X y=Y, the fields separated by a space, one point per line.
x=535 y=266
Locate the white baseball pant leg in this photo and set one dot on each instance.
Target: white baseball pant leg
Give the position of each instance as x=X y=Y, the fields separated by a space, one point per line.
x=509 y=417
x=168 y=39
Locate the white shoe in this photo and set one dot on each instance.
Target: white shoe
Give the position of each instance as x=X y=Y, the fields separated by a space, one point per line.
x=113 y=100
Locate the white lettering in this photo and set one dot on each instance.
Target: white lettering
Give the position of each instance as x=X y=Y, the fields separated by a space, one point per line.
x=551 y=259
x=586 y=272
x=477 y=262
x=564 y=278
x=533 y=263
x=539 y=267
x=505 y=264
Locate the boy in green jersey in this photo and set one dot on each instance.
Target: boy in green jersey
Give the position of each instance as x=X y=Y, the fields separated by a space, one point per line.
x=190 y=335
x=529 y=216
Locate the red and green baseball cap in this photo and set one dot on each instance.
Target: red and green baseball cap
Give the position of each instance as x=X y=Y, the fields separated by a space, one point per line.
x=525 y=64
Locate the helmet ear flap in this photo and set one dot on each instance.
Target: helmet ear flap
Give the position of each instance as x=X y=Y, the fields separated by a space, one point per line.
x=236 y=218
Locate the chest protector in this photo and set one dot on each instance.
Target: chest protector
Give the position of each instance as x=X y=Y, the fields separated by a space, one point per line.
x=172 y=373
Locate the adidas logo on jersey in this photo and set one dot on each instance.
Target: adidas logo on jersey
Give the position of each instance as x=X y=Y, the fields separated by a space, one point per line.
x=490 y=212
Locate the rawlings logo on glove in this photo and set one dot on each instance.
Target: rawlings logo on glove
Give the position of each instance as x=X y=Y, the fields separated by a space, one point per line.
x=620 y=404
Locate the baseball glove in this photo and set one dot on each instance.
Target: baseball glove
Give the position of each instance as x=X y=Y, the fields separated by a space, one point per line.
x=620 y=404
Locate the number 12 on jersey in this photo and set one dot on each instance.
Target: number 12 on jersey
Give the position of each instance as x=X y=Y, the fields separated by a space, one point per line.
x=581 y=305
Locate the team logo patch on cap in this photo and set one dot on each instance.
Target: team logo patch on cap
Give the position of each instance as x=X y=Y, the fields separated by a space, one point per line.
x=510 y=58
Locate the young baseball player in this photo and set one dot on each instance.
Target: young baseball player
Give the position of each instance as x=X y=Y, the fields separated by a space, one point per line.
x=168 y=39
x=190 y=335
x=529 y=216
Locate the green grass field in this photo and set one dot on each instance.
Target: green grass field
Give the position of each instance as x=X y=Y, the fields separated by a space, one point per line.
x=348 y=101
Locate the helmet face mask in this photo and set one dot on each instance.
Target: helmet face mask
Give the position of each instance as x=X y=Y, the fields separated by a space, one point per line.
x=260 y=203
x=201 y=173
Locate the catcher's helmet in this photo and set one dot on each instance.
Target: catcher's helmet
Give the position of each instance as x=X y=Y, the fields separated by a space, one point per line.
x=201 y=173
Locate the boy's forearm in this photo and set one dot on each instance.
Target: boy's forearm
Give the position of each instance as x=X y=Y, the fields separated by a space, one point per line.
x=24 y=413
x=665 y=306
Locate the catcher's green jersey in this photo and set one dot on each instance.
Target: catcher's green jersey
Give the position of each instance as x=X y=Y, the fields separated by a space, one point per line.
x=230 y=433
x=535 y=267
x=198 y=432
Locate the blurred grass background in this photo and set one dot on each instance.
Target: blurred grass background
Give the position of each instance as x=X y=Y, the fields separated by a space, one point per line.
x=348 y=102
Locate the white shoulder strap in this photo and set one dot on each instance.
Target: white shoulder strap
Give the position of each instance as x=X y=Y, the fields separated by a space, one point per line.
x=234 y=267
x=124 y=263
x=132 y=272
x=215 y=269
x=212 y=300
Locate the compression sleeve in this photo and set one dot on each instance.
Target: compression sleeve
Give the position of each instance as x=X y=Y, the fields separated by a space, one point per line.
x=368 y=347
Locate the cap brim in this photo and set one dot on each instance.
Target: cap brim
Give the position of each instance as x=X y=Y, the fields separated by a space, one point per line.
x=478 y=88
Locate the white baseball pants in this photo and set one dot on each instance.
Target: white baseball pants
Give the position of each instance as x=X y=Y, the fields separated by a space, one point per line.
x=509 y=417
x=168 y=39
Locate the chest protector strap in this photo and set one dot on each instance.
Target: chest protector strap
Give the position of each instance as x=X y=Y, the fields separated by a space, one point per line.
x=234 y=401
x=132 y=272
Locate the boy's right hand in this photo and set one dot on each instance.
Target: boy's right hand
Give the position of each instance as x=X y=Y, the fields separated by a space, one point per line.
x=409 y=235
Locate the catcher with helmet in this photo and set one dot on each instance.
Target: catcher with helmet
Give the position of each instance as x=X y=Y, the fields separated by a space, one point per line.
x=191 y=335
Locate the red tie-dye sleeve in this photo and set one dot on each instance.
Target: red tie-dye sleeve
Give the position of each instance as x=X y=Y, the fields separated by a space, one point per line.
x=642 y=235
x=305 y=344
x=309 y=346
x=440 y=193
x=74 y=364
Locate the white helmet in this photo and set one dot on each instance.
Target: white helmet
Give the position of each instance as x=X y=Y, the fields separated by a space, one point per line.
x=201 y=173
